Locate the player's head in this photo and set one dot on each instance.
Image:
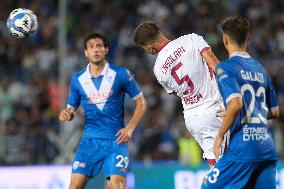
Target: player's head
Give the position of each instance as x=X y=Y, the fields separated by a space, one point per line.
x=147 y=35
x=96 y=47
x=236 y=31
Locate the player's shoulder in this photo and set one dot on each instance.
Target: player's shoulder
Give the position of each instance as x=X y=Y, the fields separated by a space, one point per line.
x=118 y=69
x=225 y=64
x=75 y=77
x=122 y=72
x=77 y=74
x=223 y=67
x=190 y=36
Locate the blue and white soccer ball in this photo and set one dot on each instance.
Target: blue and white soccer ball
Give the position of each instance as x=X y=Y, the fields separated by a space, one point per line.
x=22 y=22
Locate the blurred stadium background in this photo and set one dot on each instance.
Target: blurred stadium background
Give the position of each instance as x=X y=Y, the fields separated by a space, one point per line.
x=36 y=151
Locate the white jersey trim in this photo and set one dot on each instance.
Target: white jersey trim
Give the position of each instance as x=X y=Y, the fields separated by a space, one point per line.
x=234 y=95
x=70 y=106
x=137 y=96
x=274 y=108
x=92 y=92
x=204 y=49
x=241 y=54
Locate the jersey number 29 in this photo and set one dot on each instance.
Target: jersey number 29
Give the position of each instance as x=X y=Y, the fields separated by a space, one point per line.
x=122 y=161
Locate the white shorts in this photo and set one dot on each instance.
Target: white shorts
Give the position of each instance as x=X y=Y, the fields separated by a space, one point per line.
x=204 y=129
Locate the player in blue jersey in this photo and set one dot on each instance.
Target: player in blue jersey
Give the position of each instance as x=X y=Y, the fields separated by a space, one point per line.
x=250 y=100
x=100 y=89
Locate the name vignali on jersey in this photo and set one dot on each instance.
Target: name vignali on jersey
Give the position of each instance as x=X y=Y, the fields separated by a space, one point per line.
x=180 y=68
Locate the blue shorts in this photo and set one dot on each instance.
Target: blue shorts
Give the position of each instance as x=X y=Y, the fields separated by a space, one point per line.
x=94 y=154
x=241 y=175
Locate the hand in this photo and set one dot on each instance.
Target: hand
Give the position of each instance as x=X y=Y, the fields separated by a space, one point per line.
x=124 y=134
x=217 y=145
x=221 y=112
x=67 y=114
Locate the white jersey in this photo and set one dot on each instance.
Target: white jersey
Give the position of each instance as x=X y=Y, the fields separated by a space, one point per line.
x=180 y=68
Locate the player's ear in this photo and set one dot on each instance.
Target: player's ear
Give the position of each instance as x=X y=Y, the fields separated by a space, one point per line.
x=143 y=46
x=107 y=49
x=225 y=40
x=147 y=48
x=86 y=53
x=249 y=38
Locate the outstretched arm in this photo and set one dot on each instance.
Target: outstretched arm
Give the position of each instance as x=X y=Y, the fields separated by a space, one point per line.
x=125 y=133
x=210 y=58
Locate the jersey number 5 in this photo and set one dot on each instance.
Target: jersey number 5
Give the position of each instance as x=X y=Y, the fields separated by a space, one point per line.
x=185 y=78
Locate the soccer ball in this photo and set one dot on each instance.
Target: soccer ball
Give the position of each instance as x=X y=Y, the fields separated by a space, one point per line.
x=22 y=22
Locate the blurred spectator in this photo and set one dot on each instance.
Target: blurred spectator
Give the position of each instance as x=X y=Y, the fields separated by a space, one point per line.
x=189 y=150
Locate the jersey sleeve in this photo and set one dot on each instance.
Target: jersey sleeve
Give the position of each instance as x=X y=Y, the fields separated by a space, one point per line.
x=199 y=43
x=227 y=84
x=271 y=100
x=166 y=87
x=74 y=97
x=130 y=85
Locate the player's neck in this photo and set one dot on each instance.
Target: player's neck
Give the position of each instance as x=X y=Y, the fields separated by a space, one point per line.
x=236 y=49
x=96 y=69
x=164 y=41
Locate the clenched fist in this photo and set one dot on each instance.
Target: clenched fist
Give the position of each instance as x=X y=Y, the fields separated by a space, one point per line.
x=67 y=114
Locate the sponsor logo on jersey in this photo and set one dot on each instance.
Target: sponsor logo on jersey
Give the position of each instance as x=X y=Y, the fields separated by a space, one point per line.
x=76 y=165
x=99 y=96
x=82 y=165
x=254 y=133
x=192 y=99
x=220 y=71
x=94 y=95
x=109 y=78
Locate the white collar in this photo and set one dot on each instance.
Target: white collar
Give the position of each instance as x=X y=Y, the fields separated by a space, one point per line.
x=241 y=54
x=103 y=72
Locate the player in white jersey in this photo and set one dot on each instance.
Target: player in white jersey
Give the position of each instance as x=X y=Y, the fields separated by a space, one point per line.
x=184 y=68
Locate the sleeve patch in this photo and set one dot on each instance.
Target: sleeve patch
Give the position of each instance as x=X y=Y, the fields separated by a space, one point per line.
x=220 y=71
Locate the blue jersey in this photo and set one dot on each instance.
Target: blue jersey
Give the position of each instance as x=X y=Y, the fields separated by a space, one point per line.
x=243 y=76
x=102 y=99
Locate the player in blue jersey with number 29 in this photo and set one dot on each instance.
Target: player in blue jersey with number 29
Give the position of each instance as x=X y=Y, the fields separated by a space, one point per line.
x=250 y=100
x=100 y=89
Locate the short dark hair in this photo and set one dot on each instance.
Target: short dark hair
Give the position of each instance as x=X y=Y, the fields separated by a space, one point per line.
x=237 y=27
x=96 y=35
x=146 y=32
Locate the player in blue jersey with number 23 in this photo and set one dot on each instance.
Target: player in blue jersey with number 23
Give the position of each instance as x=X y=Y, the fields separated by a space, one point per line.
x=250 y=100
x=100 y=88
